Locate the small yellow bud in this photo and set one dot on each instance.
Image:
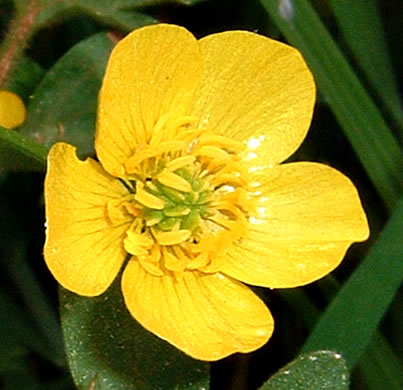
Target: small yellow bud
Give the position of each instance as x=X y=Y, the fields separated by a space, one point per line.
x=12 y=110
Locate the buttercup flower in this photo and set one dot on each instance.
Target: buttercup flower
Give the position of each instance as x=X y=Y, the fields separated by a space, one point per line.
x=189 y=195
x=12 y=110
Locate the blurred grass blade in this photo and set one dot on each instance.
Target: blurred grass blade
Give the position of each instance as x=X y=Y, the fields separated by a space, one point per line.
x=17 y=263
x=353 y=316
x=20 y=153
x=357 y=114
x=317 y=370
x=360 y=24
x=18 y=330
x=381 y=367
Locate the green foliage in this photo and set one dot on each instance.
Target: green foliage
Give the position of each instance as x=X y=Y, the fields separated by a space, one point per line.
x=20 y=153
x=346 y=46
x=365 y=297
x=63 y=106
x=358 y=115
x=120 y=14
x=361 y=26
x=108 y=349
x=317 y=370
x=26 y=77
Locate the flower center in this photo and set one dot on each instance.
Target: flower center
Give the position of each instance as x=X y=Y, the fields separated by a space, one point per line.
x=189 y=202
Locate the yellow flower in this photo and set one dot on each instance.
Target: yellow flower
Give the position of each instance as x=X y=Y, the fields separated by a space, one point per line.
x=189 y=189
x=12 y=110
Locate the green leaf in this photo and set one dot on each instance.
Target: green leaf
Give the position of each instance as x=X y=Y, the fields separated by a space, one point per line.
x=360 y=24
x=25 y=78
x=357 y=114
x=318 y=370
x=108 y=349
x=124 y=15
x=20 y=153
x=63 y=107
x=353 y=316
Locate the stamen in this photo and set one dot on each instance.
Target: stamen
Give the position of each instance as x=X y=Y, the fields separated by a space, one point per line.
x=171 y=147
x=179 y=162
x=174 y=262
x=199 y=261
x=158 y=133
x=142 y=153
x=116 y=210
x=213 y=152
x=172 y=180
x=153 y=217
x=171 y=238
x=137 y=244
x=227 y=178
x=221 y=142
x=177 y=211
x=149 y=266
x=148 y=200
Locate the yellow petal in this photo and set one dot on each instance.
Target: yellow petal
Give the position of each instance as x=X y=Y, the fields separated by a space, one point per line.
x=256 y=90
x=12 y=110
x=151 y=74
x=83 y=249
x=307 y=216
x=206 y=316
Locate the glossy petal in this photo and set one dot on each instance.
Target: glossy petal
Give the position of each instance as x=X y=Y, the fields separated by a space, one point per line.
x=256 y=90
x=83 y=249
x=307 y=216
x=206 y=316
x=151 y=76
x=12 y=110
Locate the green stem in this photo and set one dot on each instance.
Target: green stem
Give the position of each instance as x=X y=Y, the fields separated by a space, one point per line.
x=20 y=31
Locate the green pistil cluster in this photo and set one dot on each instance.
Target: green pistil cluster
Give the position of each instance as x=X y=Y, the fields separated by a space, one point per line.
x=183 y=209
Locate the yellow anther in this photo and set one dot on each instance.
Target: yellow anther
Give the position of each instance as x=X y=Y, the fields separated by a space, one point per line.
x=172 y=237
x=149 y=200
x=142 y=153
x=179 y=162
x=115 y=211
x=221 y=142
x=213 y=152
x=172 y=180
x=171 y=147
x=226 y=206
x=173 y=262
x=138 y=244
x=155 y=254
x=184 y=121
x=228 y=178
x=178 y=211
x=149 y=266
x=199 y=261
x=159 y=130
